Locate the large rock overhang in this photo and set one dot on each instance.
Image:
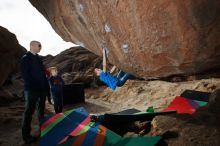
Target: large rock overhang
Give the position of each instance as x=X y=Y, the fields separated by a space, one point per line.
x=145 y=37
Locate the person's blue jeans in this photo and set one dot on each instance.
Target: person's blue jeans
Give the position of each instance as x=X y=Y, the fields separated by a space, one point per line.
x=58 y=101
x=33 y=100
x=122 y=78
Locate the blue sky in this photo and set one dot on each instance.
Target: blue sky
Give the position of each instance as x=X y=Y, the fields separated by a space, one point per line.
x=22 y=19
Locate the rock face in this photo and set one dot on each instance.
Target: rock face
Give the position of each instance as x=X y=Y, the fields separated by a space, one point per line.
x=75 y=64
x=10 y=54
x=144 y=37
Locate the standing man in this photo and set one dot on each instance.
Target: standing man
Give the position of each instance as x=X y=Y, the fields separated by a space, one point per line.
x=36 y=88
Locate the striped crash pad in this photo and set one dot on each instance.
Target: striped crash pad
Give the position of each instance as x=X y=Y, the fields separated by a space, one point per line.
x=196 y=95
x=101 y=136
x=75 y=128
x=56 y=129
x=184 y=105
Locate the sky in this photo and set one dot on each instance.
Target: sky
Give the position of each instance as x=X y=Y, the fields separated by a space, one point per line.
x=22 y=19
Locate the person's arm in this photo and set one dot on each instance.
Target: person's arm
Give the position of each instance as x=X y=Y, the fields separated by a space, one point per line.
x=25 y=70
x=62 y=81
x=104 y=60
x=45 y=73
x=50 y=82
x=113 y=69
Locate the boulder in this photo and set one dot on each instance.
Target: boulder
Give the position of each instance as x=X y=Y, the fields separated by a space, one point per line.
x=75 y=64
x=145 y=37
x=10 y=53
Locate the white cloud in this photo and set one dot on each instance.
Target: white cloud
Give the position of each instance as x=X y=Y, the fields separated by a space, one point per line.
x=22 y=19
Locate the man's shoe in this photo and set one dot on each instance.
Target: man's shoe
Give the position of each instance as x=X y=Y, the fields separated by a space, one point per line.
x=30 y=140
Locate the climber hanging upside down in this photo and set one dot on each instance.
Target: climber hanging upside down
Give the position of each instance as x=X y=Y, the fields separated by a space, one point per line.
x=110 y=80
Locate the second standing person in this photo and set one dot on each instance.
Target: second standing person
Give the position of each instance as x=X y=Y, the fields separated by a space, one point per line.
x=56 y=88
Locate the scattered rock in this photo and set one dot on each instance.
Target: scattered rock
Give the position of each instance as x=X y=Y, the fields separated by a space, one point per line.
x=130 y=134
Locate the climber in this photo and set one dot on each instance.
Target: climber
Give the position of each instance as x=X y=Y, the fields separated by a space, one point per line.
x=109 y=79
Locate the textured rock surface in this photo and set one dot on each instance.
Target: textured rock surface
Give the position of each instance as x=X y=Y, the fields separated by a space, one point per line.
x=145 y=37
x=75 y=64
x=10 y=54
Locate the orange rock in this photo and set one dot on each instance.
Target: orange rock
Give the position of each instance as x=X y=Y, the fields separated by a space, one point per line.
x=145 y=37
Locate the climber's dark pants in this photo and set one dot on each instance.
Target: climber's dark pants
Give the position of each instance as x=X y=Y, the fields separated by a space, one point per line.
x=122 y=78
x=33 y=99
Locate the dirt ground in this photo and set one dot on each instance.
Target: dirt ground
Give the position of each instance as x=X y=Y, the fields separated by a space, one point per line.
x=135 y=94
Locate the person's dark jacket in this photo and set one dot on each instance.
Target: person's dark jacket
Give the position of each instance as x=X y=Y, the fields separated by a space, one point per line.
x=33 y=73
x=56 y=84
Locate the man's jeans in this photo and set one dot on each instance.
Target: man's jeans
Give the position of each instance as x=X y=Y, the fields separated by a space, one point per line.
x=122 y=78
x=33 y=100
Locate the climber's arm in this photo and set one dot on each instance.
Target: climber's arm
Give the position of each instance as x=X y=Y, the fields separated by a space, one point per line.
x=113 y=69
x=104 y=60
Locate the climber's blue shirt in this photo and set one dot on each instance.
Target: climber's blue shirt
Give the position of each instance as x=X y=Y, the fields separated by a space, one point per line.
x=110 y=80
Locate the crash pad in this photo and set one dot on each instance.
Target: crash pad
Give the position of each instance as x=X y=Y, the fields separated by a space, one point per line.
x=184 y=105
